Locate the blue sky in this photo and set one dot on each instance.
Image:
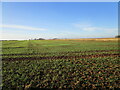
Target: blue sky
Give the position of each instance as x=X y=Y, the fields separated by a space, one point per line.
x=59 y=20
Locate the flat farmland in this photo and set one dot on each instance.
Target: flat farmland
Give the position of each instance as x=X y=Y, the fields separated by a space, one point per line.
x=76 y=63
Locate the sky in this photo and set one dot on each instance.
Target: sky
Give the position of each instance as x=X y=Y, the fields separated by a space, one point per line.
x=29 y=20
x=60 y=0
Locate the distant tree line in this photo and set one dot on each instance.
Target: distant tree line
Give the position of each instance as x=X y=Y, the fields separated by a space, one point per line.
x=42 y=39
x=37 y=39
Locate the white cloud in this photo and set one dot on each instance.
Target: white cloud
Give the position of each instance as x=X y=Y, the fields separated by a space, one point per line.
x=22 y=27
x=91 y=28
x=100 y=29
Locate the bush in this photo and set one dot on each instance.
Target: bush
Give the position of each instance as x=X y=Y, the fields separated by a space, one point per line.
x=118 y=36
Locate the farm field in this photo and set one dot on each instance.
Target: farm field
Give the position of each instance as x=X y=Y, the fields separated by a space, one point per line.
x=60 y=64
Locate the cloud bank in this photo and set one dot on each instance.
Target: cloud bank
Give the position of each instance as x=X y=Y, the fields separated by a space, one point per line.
x=91 y=28
x=22 y=27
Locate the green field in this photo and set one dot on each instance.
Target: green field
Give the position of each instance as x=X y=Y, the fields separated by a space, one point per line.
x=60 y=64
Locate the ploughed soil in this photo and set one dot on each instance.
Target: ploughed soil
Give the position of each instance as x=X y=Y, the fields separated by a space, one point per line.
x=61 y=57
x=12 y=47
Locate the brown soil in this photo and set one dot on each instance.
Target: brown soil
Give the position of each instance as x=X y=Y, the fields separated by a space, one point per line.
x=12 y=47
x=60 y=57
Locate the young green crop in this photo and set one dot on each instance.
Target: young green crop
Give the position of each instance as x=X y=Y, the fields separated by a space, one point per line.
x=60 y=64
